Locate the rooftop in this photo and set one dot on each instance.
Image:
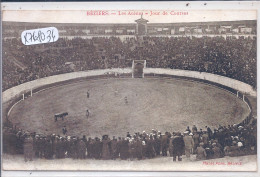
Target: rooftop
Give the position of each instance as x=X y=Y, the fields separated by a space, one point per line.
x=141 y=20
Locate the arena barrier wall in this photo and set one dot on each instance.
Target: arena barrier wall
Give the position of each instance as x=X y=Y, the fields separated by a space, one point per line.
x=17 y=91
x=232 y=83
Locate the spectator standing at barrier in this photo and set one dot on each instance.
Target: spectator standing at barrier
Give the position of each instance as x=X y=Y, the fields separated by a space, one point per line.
x=157 y=145
x=37 y=146
x=63 y=147
x=196 y=140
x=201 y=152
x=209 y=131
x=42 y=146
x=81 y=149
x=242 y=143
x=139 y=148
x=119 y=145
x=74 y=148
x=165 y=144
x=132 y=150
x=10 y=141
x=89 y=146
x=178 y=146
x=18 y=143
x=48 y=150
x=189 y=143
x=84 y=139
x=69 y=146
x=170 y=145
x=188 y=129
x=194 y=129
x=28 y=148
x=97 y=148
x=124 y=149
x=234 y=150
x=150 y=147
x=58 y=150
x=217 y=153
x=106 y=147
x=114 y=148
x=205 y=138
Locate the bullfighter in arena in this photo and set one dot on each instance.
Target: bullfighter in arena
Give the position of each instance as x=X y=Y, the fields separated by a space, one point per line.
x=126 y=101
x=87 y=113
x=64 y=130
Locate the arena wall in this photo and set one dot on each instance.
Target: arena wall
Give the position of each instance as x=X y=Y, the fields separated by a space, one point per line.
x=232 y=83
x=26 y=87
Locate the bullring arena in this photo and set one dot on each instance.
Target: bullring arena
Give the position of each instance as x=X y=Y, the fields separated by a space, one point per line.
x=166 y=104
x=138 y=97
x=163 y=102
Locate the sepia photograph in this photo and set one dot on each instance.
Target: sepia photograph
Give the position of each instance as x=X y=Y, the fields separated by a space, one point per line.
x=129 y=90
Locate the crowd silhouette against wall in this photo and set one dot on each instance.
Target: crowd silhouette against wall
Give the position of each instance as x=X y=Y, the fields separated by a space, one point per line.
x=231 y=140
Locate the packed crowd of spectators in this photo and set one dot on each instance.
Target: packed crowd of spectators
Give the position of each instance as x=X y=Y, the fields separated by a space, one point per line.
x=233 y=140
x=231 y=57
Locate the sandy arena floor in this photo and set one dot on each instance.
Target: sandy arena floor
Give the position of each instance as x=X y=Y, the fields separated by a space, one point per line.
x=165 y=104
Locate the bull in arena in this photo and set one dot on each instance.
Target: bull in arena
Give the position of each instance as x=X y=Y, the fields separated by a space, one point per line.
x=60 y=115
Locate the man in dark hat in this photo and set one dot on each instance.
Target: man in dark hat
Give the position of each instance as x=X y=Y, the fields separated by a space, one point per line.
x=97 y=148
x=194 y=129
x=209 y=131
x=106 y=146
x=188 y=129
x=84 y=139
x=178 y=146
x=128 y=135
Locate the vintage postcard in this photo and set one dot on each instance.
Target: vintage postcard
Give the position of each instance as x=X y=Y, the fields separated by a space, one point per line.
x=113 y=88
